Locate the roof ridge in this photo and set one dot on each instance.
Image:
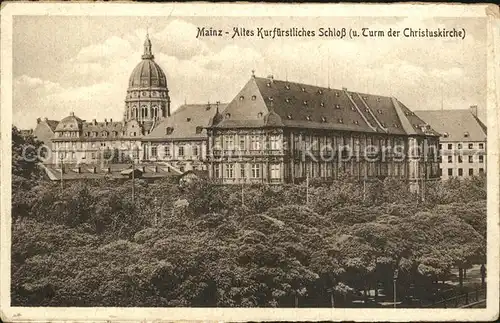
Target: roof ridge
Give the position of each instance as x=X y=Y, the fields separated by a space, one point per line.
x=402 y=117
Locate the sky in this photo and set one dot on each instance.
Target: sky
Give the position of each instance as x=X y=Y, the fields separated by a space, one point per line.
x=81 y=64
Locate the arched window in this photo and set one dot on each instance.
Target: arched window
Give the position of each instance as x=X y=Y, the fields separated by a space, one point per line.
x=144 y=111
x=155 y=111
x=134 y=112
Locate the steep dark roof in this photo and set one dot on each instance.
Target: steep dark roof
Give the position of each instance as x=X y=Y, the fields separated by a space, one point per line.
x=103 y=128
x=456 y=124
x=52 y=124
x=188 y=121
x=307 y=106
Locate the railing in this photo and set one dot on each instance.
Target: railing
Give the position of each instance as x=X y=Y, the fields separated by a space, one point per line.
x=460 y=300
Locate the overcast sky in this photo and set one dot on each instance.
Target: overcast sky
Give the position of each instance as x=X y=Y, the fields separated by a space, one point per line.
x=82 y=64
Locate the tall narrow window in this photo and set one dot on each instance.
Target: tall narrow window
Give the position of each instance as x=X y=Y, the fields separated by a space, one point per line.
x=275 y=171
x=255 y=143
x=256 y=170
x=242 y=143
x=195 y=150
x=229 y=170
x=228 y=142
x=217 y=170
x=181 y=150
x=274 y=142
x=242 y=171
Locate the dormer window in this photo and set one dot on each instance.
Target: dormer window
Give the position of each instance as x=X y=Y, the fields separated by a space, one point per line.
x=379 y=111
x=323 y=119
x=383 y=124
x=364 y=98
x=287 y=100
x=303 y=89
x=188 y=119
x=199 y=129
x=242 y=98
x=289 y=117
x=169 y=130
x=322 y=104
x=287 y=86
x=254 y=97
x=259 y=114
x=308 y=118
x=378 y=99
x=353 y=108
x=466 y=134
x=396 y=125
x=445 y=135
x=268 y=84
x=228 y=115
x=337 y=106
x=341 y=120
x=356 y=122
x=305 y=102
x=320 y=91
x=337 y=94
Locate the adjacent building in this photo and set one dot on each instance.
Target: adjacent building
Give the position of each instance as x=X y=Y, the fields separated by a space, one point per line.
x=181 y=139
x=462 y=143
x=279 y=132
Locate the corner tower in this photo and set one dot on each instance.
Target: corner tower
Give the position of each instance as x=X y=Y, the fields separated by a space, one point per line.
x=147 y=99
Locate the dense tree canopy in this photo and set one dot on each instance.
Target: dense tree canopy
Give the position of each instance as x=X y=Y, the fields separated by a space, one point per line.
x=209 y=245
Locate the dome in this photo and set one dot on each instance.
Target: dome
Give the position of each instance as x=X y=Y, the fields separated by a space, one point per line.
x=69 y=123
x=147 y=74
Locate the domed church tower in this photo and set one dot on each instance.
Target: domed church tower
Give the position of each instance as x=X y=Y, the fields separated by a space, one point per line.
x=147 y=98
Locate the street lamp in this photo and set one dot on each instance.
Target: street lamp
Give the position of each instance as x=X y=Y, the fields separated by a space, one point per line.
x=394 y=279
x=62 y=171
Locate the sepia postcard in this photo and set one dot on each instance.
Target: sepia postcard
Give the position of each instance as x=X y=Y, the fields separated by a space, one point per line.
x=249 y=162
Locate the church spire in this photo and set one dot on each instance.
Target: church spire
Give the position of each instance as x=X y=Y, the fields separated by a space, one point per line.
x=148 y=54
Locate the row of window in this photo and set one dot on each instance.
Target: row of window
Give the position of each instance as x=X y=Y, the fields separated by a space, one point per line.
x=255 y=143
x=145 y=94
x=460 y=146
x=144 y=112
x=460 y=171
x=180 y=151
x=255 y=171
x=470 y=159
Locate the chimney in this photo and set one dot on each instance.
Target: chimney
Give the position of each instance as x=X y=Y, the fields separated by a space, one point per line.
x=106 y=121
x=38 y=120
x=72 y=114
x=94 y=122
x=473 y=110
x=110 y=120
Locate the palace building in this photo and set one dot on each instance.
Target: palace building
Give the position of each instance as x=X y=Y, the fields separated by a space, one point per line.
x=271 y=132
x=279 y=132
x=463 y=141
